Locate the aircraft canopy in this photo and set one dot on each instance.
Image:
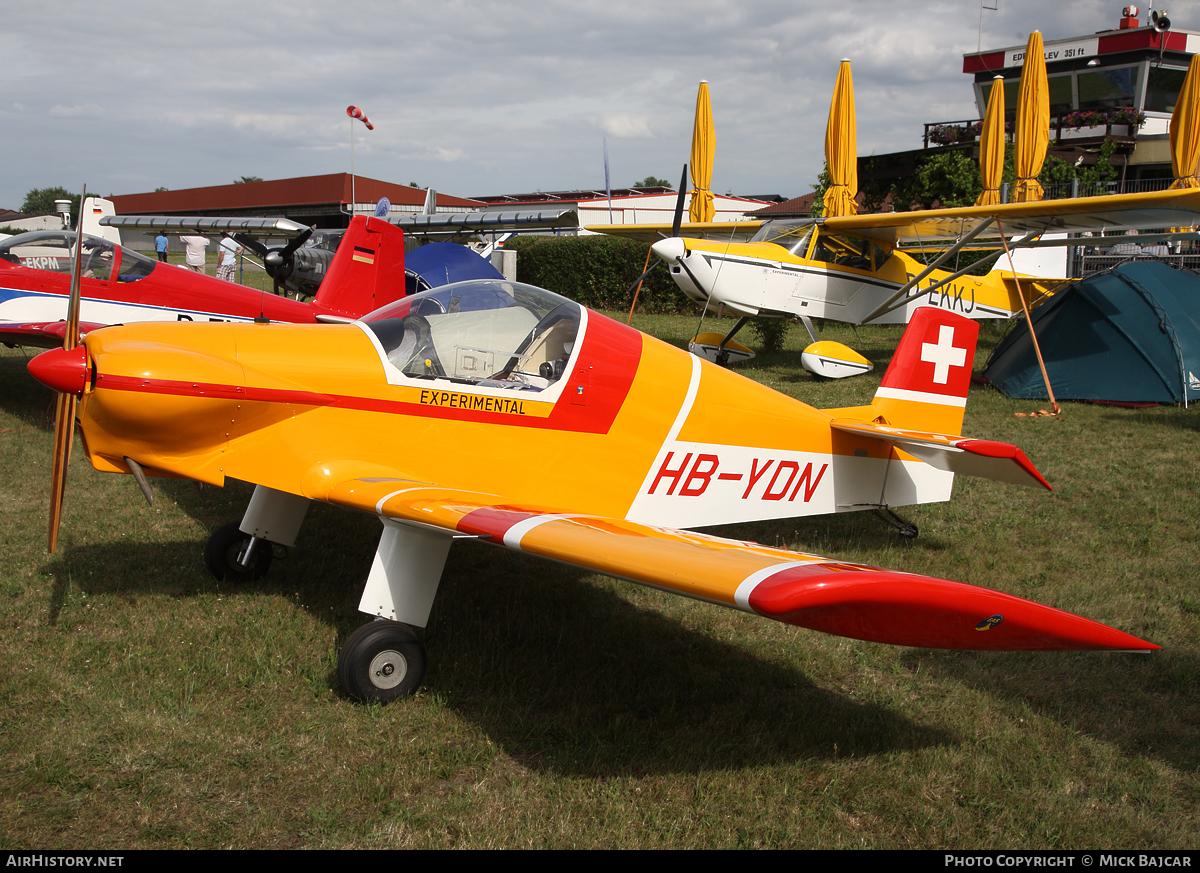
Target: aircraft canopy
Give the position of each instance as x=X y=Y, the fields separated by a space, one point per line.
x=488 y=332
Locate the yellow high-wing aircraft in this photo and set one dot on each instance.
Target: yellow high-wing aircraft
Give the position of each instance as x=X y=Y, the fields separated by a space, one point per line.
x=854 y=268
x=503 y=412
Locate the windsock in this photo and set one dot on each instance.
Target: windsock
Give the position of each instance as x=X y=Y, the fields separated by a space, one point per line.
x=355 y=112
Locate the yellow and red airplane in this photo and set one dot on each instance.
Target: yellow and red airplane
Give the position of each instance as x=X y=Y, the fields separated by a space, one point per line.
x=500 y=411
x=855 y=268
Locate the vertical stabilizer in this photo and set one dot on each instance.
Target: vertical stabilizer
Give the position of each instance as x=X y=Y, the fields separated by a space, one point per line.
x=95 y=208
x=925 y=386
x=367 y=272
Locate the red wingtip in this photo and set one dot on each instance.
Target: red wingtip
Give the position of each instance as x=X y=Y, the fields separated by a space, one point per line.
x=867 y=603
x=64 y=370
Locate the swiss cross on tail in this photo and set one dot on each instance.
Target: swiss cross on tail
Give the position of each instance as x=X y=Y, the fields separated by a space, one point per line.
x=934 y=358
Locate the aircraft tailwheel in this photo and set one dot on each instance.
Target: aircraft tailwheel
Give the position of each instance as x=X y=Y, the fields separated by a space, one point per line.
x=223 y=555
x=381 y=661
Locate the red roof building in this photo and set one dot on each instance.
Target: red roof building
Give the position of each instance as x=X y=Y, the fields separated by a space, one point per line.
x=322 y=201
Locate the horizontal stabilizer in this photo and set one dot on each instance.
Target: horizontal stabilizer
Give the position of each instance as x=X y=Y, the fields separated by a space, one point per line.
x=955 y=454
x=851 y=600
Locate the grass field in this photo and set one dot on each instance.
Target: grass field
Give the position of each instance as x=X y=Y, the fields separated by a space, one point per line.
x=252 y=274
x=143 y=705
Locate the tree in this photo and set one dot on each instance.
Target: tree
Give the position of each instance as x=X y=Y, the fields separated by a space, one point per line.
x=1056 y=171
x=819 y=189
x=160 y=188
x=245 y=179
x=40 y=201
x=947 y=180
x=944 y=179
x=651 y=182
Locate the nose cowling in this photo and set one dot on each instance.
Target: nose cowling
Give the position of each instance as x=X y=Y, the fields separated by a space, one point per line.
x=64 y=370
x=670 y=250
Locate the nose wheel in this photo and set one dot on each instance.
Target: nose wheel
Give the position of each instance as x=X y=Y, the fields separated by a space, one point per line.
x=224 y=555
x=381 y=661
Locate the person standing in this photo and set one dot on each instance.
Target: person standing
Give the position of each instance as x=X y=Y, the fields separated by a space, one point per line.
x=161 y=246
x=229 y=252
x=194 y=257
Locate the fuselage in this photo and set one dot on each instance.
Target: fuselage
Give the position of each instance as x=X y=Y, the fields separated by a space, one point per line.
x=121 y=286
x=799 y=269
x=572 y=412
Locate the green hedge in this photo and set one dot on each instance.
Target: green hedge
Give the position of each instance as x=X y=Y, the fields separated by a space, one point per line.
x=597 y=272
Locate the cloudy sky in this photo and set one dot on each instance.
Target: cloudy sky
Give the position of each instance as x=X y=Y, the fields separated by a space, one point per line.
x=476 y=97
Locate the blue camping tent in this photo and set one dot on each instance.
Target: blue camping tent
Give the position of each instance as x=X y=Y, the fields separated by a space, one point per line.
x=1131 y=335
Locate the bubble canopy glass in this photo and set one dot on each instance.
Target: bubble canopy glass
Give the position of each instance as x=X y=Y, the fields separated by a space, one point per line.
x=486 y=332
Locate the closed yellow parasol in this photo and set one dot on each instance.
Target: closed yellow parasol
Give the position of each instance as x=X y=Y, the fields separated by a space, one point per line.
x=1185 y=129
x=991 y=146
x=1033 y=121
x=704 y=144
x=841 y=147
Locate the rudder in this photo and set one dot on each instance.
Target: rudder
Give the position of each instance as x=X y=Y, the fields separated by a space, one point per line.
x=367 y=272
x=925 y=386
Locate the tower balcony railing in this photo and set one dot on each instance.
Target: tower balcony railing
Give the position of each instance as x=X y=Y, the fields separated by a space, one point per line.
x=1080 y=124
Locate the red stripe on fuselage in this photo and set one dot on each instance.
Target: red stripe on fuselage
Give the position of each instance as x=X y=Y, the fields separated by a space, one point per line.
x=606 y=367
x=213 y=389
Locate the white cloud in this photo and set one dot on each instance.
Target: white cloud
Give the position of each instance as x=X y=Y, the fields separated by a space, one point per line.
x=626 y=124
x=85 y=110
x=480 y=96
x=448 y=155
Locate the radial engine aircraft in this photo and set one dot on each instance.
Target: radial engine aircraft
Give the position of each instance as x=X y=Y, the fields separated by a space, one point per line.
x=502 y=412
x=120 y=285
x=856 y=269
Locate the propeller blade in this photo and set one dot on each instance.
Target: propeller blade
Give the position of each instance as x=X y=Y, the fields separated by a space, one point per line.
x=64 y=405
x=251 y=243
x=679 y=204
x=295 y=243
x=71 y=334
x=64 y=426
x=638 y=280
x=278 y=261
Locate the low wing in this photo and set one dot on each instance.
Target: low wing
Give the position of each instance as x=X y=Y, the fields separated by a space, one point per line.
x=956 y=454
x=42 y=335
x=1161 y=209
x=727 y=231
x=851 y=600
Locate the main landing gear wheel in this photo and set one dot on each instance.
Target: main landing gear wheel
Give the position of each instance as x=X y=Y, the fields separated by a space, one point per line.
x=225 y=548
x=381 y=661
